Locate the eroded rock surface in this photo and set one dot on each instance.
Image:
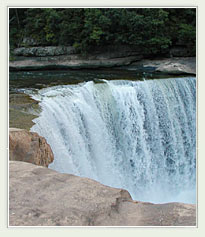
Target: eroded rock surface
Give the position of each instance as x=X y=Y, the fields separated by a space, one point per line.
x=43 y=197
x=178 y=60
x=172 y=66
x=43 y=51
x=29 y=147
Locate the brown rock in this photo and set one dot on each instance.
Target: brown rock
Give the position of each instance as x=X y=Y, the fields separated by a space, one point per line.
x=39 y=196
x=29 y=147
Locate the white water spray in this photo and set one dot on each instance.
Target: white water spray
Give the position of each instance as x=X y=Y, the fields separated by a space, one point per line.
x=136 y=135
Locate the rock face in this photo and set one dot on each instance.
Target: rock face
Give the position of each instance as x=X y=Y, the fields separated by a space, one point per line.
x=43 y=51
x=174 y=66
x=60 y=57
x=70 y=62
x=43 y=197
x=29 y=147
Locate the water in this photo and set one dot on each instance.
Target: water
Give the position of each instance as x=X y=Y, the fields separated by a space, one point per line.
x=136 y=135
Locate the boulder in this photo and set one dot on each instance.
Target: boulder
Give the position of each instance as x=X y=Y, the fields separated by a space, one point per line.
x=171 y=66
x=29 y=147
x=39 y=196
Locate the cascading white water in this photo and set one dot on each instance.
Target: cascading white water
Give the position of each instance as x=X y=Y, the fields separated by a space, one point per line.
x=136 y=135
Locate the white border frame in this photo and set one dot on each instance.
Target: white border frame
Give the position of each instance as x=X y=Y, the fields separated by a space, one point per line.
x=120 y=4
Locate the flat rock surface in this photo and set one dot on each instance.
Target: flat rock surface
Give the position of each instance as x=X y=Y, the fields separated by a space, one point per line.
x=69 y=62
x=174 y=66
x=39 y=196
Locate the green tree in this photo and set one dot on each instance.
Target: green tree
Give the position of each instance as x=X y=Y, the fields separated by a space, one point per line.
x=152 y=30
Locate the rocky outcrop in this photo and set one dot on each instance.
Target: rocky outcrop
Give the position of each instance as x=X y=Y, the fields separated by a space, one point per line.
x=44 y=51
x=103 y=52
x=69 y=62
x=67 y=58
x=29 y=147
x=115 y=56
x=40 y=196
x=175 y=66
x=51 y=57
x=172 y=66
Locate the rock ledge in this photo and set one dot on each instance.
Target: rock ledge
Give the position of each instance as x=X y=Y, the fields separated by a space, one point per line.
x=43 y=197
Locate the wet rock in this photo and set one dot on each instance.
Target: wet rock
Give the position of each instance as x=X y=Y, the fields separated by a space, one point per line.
x=22 y=110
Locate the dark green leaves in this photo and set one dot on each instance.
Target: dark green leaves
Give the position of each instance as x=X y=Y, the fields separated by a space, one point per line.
x=153 y=30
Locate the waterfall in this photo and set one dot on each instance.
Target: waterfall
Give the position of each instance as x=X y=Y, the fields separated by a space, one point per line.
x=136 y=135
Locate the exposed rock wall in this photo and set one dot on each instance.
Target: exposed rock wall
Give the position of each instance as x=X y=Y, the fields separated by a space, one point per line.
x=172 y=66
x=110 y=51
x=43 y=51
x=125 y=57
x=40 y=196
x=29 y=147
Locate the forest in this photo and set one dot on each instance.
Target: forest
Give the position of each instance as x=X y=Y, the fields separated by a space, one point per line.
x=153 y=30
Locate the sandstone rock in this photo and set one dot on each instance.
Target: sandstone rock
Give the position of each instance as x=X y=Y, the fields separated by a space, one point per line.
x=29 y=147
x=39 y=196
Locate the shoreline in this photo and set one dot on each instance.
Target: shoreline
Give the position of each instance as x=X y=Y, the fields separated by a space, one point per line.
x=171 y=66
x=51 y=58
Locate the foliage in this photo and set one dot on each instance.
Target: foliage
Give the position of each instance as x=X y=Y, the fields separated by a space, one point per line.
x=152 y=30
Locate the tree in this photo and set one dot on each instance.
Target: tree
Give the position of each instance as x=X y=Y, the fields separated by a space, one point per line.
x=153 y=30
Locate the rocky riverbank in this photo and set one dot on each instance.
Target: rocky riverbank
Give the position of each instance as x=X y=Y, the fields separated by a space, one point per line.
x=124 y=57
x=39 y=196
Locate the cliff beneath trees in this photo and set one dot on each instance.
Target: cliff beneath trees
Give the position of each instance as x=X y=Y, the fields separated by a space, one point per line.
x=118 y=57
x=75 y=38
